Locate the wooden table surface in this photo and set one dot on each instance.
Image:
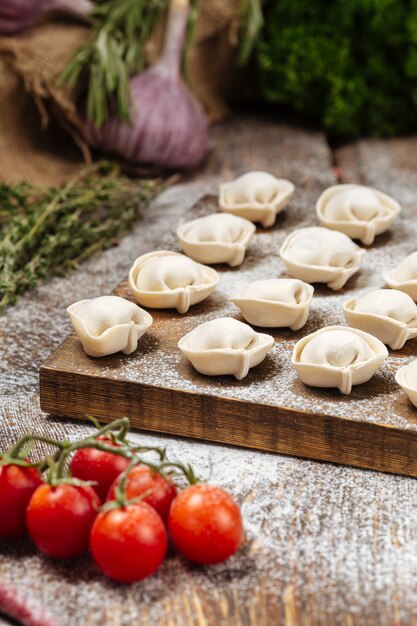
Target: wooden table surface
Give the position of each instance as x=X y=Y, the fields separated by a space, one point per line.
x=325 y=544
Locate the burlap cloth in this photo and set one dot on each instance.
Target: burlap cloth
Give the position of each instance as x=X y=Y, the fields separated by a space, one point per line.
x=39 y=136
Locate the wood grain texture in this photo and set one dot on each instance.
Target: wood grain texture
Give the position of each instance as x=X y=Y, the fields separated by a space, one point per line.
x=212 y=418
x=325 y=545
x=375 y=427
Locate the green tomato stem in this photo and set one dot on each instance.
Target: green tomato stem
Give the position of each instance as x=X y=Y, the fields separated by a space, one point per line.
x=116 y=431
x=119 y=492
x=15 y=451
x=187 y=471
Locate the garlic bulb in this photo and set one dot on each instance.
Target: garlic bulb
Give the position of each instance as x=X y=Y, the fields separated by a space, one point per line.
x=256 y=196
x=108 y=324
x=169 y=127
x=358 y=211
x=275 y=302
x=321 y=255
x=18 y=15
x=337 y=356
x=167 y=280
x=388 y=314
x=225 y=346
x=216 y=238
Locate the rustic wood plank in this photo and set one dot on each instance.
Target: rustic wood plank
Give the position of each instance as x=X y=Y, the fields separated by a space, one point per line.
x=252 y=425
x=325 y=545
x=386 y=163
x=375 y=427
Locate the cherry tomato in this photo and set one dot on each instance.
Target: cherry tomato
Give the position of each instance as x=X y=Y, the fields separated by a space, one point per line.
x=17 y=485
x=98 y=466
x=140 y=479
x=129 y=543
x=59 y=519
x=205 y=524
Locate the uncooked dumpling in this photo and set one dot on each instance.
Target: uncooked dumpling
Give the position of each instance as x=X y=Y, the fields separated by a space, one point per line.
x=388 y=314
x=275 y=302
x=404 y=276
x=257 y=196
x=336 y=356
x=358 y=211
x=406 y=377
x=321 y=255
x=108 y=324
x=225 y=346
x=216 y=238
x=166 y=280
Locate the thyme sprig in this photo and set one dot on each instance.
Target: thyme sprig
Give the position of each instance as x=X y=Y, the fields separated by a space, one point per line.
x=46 y=231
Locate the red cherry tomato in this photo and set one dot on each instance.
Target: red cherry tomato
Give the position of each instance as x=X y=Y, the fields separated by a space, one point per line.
x=140 y=479
x=59 y=519
x=98 y=466
x=17 y=485
x=129 y=543
x=205 y=524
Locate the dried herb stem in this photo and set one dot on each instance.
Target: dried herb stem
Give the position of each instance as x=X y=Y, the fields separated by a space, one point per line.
x=48 y=231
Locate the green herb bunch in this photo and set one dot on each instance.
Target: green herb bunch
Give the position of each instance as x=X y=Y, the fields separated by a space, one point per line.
x=112 y=53
x=47 y=231
x=352 y=64
x=114 y=50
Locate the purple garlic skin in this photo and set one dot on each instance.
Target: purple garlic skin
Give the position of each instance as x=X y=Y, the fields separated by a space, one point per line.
x=19 y=15
x=169 y=127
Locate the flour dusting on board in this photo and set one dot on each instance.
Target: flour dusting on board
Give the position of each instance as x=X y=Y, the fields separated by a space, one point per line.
x=325 y=545
x=156 y=362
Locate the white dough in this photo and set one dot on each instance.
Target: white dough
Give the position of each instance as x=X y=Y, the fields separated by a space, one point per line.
x=216 y=238
x=406 y=378
x=337 y=356
x=404 y=276
x=108 y=324
x=388 y=314
x=257 y=196
x=225 y=346
x=358 y=211
x=165 y=280
x=275 y=302
x=321 y=255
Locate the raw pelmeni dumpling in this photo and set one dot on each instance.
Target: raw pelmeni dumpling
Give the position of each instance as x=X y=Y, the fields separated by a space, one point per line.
x=108 y=324
x=406 y=377
x=336 y=356
x=225 y=346
x=404 y=276
x=217 y=238
x=257 y=196
x=168 y=280
x=388 y=314
x=275 y=302
x=320 y=255
x=358 y=211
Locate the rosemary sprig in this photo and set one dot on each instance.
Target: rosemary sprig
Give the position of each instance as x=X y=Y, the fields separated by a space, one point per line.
x=47 y=231
x=112 y=53
x=114 y=50
x=252 y=21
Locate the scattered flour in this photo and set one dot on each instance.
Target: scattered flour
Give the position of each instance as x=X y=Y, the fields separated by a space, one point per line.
x=325 y=545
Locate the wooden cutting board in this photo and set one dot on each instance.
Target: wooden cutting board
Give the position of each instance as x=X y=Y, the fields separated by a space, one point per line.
x=374 y=427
